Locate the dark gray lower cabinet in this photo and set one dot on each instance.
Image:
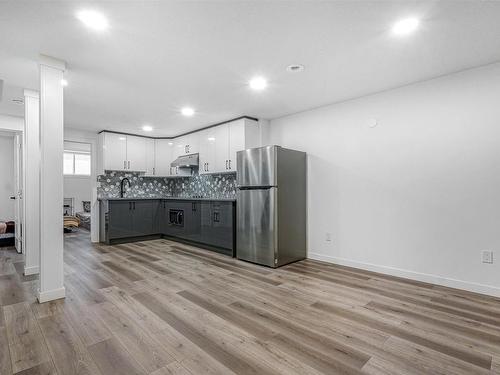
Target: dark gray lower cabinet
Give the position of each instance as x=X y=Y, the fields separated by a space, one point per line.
x=208 y=223
x=120 y=219
x=131 y=218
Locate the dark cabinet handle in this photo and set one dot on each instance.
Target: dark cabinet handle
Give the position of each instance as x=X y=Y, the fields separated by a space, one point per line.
x=129 y=205
x=229 y=163
x=134 y=205
x=226 y=164
x=216 y=217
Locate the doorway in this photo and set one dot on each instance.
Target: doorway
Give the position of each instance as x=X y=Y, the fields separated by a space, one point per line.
x=11 y=185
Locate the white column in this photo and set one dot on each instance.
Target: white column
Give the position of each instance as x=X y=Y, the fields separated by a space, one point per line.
x=51 y=179
x=31 y=183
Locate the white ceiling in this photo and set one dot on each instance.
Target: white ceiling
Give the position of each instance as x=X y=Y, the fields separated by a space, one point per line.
x=157 y=57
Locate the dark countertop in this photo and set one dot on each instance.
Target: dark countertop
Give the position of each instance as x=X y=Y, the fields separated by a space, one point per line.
x=170 y=198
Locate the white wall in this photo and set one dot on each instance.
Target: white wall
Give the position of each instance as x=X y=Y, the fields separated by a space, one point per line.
x=7 y=183
x=419 y=194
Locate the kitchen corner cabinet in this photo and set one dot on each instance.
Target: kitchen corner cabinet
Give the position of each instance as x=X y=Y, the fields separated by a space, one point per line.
x=121 y=152
x=132 y=218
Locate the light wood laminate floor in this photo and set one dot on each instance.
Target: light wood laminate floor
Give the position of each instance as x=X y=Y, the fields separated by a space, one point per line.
x=159 y=307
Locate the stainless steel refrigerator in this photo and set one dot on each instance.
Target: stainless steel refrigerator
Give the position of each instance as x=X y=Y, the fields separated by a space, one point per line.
x=271 y=206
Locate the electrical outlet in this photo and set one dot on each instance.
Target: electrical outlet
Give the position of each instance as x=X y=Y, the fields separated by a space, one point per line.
x=487 y=256
x=328 y=237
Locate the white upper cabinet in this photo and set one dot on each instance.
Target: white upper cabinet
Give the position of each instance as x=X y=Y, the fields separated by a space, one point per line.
x=150 y=157
x=222 y=148
x=233 y=137
x=164 y=155
x=187 y=144
x=136 y=153
x=180 y=146
x=217 y=147
x=207 y=148
x=114 y=151
x=192 y=143
x=120 y=152
x=237 y=142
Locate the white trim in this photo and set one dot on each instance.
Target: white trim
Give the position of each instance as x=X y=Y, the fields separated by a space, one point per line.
x=51 y=295
x=34 y=270
x=407 y=274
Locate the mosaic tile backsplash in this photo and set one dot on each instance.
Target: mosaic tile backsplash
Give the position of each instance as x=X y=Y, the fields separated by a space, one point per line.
x=206 y=186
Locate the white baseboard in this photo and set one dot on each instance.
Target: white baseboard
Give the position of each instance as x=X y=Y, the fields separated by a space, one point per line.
x=51 y=295
x=33 y=270
x=424 y=277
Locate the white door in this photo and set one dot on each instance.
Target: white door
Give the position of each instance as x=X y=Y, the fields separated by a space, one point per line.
x=207 y=144
x=18 y=182
x=150 y=157
x=163 y=155
x=221 y=148
x=236 y=142
x=115 y=152
x=136 y=153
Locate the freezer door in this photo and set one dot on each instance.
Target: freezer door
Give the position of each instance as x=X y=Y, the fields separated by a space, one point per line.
x=257 y=167
x=256 y=224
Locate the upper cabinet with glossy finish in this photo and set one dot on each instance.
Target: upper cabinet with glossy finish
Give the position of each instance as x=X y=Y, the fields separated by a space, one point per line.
x=121 y=152
x=217 y=147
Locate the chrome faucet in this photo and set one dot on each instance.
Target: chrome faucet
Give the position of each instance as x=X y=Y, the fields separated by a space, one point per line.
x=122 y=186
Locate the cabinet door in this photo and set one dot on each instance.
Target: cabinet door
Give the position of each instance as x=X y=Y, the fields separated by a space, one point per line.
x=207 y=141
x=206 y=223
x=221 y=148
x=115 y=152
x=191 y=143
x=163 y=156
x=136 y=153
x=222 y=224
x=192 y=221
x=236 y=142
x=120 y=219
x=180 y=147
x=150 y=157
x=143 y=215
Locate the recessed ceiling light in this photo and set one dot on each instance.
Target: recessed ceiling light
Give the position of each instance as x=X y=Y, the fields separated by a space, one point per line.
x=147 y=128
x=64 y=82
x=405 y=26
x=170 y=143
x=295 y=68
x=211 y=139
x=187 y=111
x=122 y=138
x=258 y=83
x=93 y=19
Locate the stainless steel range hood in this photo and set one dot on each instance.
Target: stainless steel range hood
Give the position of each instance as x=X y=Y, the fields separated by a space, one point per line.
x=186 y=161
